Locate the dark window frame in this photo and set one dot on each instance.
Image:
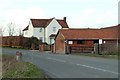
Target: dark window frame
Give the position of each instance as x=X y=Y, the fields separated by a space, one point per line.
x=96 y=41
x=41 y=38
x=80 y=41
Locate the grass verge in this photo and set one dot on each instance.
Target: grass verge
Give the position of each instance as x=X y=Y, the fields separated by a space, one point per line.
x=97 y=55
x=15 y=69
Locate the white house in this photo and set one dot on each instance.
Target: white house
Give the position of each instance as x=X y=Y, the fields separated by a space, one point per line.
x=44 y=29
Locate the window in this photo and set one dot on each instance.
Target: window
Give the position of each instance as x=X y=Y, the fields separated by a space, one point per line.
x=81 y=42
x=54 y=29
x=40 y=30
x=96 y=41
x=70 y=42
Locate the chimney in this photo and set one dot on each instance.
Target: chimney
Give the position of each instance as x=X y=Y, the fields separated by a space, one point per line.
x=64 y=18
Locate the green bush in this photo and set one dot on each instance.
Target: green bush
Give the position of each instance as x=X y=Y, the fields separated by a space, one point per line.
x=109 y=53
x=32 y=40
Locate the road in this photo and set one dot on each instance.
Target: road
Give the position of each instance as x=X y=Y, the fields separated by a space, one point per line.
x=70 y=66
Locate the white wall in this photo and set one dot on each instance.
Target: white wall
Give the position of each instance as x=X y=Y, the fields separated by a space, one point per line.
x=25 y=33
x=34 y=32
x=49 y=29
x=30 y=29
x=39 y=34
x=29 y=32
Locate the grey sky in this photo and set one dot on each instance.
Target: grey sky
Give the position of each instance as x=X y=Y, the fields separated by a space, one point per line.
x=79 y=13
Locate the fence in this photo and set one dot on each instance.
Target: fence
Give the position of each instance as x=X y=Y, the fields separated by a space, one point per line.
x=15 y=41
x=107 y=49
x=79 y=49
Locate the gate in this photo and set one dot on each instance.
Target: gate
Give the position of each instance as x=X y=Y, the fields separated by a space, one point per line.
x=81 y=49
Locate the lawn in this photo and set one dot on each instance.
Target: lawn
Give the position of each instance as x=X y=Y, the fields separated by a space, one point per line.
x=15 y=69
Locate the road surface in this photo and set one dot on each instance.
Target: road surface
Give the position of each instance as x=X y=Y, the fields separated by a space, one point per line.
x=70 y=66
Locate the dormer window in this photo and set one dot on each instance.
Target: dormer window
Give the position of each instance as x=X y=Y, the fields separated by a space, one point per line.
x=54 y=29
x=40 y=30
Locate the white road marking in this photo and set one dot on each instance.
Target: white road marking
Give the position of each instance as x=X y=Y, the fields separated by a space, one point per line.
x=97 y=68
x=100 y=69
x=56 y=59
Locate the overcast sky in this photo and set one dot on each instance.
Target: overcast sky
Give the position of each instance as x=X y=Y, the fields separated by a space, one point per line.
x=79 y=13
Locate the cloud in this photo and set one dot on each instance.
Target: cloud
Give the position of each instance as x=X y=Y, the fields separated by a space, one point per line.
x=22 y=16
x=80 y=13
x=93 y=18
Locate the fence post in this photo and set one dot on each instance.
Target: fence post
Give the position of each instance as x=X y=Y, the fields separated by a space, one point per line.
x=96 y=48
x=18 y=56
x=70 y=49
x=67 y=49
x=100 y=48
x=39 y=47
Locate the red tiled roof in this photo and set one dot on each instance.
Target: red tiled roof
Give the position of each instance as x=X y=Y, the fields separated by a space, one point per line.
x=110 y=32
x=45 y=22
x=103 y=33
x=39 y=22
x=80 y=33
x=63 y=23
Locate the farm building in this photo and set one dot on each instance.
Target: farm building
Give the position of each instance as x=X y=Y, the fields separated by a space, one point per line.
x=83 y=40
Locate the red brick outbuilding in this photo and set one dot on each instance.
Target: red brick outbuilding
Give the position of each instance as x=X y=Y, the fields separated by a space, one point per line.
x=84 y=38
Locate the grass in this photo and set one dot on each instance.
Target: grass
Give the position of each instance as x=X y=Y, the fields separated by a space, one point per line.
x=15 y=69
x=99 y=56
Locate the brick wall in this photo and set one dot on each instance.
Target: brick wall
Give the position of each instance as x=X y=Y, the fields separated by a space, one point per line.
x=59 y=44
x=44 y=47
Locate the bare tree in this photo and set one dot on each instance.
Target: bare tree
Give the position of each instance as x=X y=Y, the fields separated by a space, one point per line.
x=20 y=32
x=1 y=30
x=11 y=29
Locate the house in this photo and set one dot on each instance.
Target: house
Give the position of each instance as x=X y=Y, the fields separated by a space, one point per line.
x=44 y=29
x=83 y=40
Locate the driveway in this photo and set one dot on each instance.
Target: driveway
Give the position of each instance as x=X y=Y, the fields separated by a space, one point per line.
x=70 y=66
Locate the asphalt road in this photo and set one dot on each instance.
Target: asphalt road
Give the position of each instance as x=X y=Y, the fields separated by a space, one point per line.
x=70 y=66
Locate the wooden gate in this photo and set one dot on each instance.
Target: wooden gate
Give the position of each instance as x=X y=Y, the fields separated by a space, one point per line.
x=81 y=49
